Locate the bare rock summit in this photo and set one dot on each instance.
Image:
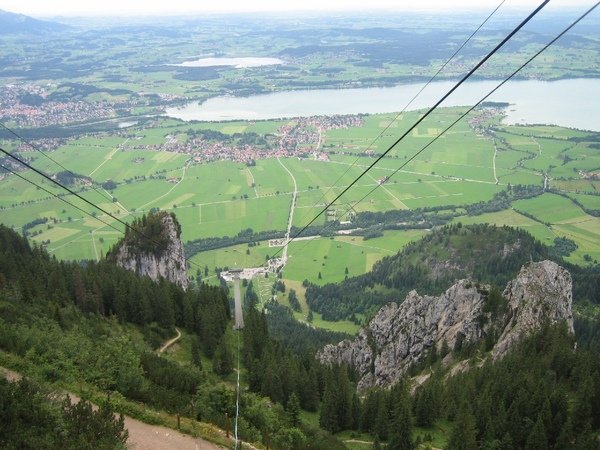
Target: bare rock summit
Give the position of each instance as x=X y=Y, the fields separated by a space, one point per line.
x=401 y=335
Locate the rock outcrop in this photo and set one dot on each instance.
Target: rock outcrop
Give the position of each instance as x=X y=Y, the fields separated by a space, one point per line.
x=401 y=335
x=155 y=250
x=541 y=293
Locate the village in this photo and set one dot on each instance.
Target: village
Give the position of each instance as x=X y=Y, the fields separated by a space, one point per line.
x=301 y=137
x=30 y=106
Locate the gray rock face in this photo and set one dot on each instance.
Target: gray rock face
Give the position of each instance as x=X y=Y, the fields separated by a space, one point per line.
x=400 y=335
x=169 y=264
x=542 y=293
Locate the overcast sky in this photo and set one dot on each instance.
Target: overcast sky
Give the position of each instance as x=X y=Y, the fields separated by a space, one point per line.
x=50 y=8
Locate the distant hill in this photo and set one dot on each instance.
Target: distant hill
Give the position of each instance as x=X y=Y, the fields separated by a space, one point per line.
x=11 y=23
x=484 y=253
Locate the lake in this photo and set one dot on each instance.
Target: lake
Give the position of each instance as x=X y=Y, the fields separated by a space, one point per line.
x=238 y=63
x=571 y=103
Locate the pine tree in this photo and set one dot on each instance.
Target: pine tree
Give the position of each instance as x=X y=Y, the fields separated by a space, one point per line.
x=344 y=398
x=445 y=349
x=369 y=410
x=355 y=411
x=582 y=413
x=293 y=411
x=464 y=434
x=328 y=419
x=507 y=443
x=311 y=398
x=222 y=360
x=272 y=385
x=376 y=444
x=537 y=439
x=424 y=407
x=195 y=351
x=381 y=420
x=400 y=433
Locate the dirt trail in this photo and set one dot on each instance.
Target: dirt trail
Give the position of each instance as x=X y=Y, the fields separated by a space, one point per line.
x=171 y=341
x=141 y=435
x=152 y=437
x=10 y=375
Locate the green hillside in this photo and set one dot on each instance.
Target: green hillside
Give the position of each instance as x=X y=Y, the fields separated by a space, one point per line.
x=485 y=253
x=94 y=329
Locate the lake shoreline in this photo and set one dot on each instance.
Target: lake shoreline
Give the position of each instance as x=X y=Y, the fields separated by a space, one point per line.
x=555 y=108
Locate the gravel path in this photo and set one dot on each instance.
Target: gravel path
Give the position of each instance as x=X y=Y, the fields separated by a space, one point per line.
x=152 y=437
x=170 y=341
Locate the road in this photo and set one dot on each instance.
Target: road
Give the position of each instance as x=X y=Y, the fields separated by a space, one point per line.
x=253 y=182
x=291 y=218
x=108 y=157
x=397 y=202
x=544 y=174
x=184 y=169
x=494 y=160
x=445 y=178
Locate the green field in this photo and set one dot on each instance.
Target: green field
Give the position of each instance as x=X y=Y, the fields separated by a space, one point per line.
x=221 y=198
x=329 y=256
x=566 y=219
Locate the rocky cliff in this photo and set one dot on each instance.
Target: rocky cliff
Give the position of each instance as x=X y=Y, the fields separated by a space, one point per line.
x=155 y=250
x=401 y=335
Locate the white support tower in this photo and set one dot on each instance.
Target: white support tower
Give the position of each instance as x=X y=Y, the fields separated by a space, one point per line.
x=234 y=276
x=237 y=296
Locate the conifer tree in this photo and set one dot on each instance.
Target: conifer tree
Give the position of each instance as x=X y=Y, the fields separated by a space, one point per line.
x=537 y=439
x=328 y=419
x=400 y=432
x=464 y=434
x=582 y=413
x=311 y=398
x=355 y=411
x=424 y=407
x=195 y=351
x=376 y=444
x=293 y=410
x=369 y=410
x=381 y=419
x=344 y=397
x=222 y=360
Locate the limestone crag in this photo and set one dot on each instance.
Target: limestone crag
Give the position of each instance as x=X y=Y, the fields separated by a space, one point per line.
x=542 y=293
x=167 y=263
x=400 y=335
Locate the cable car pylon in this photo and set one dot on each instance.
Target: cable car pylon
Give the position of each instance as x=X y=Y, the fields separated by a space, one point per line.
x=237 y=296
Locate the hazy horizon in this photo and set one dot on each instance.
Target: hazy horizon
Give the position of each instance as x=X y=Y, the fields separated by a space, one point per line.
x=39 y=8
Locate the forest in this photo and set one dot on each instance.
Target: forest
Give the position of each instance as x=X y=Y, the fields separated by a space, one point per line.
x=96 y=325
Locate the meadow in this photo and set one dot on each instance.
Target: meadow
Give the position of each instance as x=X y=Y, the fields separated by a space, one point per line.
x=222 y=198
